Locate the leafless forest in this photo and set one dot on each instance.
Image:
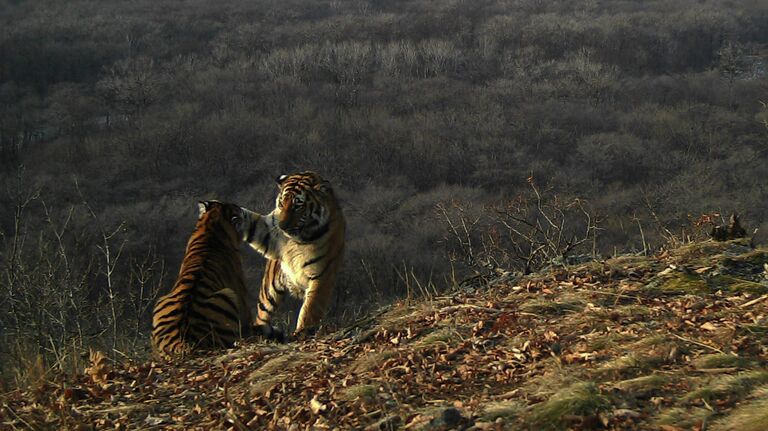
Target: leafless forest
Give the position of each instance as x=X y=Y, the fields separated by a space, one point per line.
x=463 y=138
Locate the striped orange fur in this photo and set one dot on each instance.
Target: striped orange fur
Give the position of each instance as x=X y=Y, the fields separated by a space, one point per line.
x=303 y=241
x=207 y=306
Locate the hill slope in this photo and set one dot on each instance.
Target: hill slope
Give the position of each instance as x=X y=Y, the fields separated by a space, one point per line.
x=674 y=341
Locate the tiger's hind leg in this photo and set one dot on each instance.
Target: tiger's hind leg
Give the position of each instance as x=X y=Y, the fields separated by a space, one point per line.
x=219 y=319
x=273 y=288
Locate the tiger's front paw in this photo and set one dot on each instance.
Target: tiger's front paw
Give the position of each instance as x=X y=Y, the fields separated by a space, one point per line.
x=268 y=332
x=304 y=334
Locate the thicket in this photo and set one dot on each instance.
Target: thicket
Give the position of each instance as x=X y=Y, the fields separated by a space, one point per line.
x=625 y=118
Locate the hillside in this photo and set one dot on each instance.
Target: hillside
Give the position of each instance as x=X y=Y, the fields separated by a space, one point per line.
x=674 y=341
x=634 y=119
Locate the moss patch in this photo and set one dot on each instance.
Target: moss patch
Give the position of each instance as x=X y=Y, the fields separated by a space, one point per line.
x=755 y=258
x=738 y=285
x=684 y=283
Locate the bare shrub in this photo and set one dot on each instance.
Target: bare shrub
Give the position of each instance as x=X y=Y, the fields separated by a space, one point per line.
x=67 y=286
x=534 y=229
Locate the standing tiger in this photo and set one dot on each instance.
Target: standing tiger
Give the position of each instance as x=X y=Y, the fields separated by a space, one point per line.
x=207 y=305
x=303 y=241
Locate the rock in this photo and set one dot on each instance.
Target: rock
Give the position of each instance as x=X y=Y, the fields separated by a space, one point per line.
x=449 y=418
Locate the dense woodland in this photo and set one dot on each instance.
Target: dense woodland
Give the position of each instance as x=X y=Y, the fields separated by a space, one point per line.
x=462 y=137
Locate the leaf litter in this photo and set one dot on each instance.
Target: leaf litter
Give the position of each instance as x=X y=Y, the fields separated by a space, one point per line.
x=672 y=341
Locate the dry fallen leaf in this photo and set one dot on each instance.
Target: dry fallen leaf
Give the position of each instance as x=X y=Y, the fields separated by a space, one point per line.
x=316 y=406
x=153 y=421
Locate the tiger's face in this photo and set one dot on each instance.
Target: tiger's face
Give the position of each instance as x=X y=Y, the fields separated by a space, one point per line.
x=298 y=207
x=233 y=218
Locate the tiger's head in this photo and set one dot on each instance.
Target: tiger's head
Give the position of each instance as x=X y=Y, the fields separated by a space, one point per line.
x=302 y=206
x=233 y=219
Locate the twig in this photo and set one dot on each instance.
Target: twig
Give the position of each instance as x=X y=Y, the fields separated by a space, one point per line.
x=118 y=409
x=507 y=395
x=620 y=295
x=717 y=370
x=754 y=301
x=698 y=343
x=470 y=306
x=121 y=353
x=342 y=333
x=7 y=407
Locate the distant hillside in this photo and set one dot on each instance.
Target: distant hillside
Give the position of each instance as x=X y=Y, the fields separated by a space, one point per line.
x=676 y=341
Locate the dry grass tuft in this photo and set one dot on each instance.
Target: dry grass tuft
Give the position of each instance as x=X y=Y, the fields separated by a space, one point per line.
x=579 y=399
x=276 y=370
x=365 y=393
x=507 y=410
x=371 y=361
x=720 y=360
x=544 y=307
x=445 y=336
x=683 y=418
x=721 y=388
x=750 y=416
x=644 y=356
x=642 y=386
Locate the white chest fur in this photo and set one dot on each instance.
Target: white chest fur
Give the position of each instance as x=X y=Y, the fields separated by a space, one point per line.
x=293 y=264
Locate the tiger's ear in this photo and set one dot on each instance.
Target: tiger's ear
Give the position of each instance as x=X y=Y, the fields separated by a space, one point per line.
x=202 y=206
x=281 y=178
x=324 y=187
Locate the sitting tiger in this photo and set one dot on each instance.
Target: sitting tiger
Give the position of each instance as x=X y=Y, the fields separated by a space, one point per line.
x=207 y=305
x=303 y=241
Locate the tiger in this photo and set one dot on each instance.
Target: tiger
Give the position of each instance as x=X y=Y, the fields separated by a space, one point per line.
x=207 y=306
x=303 y=242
